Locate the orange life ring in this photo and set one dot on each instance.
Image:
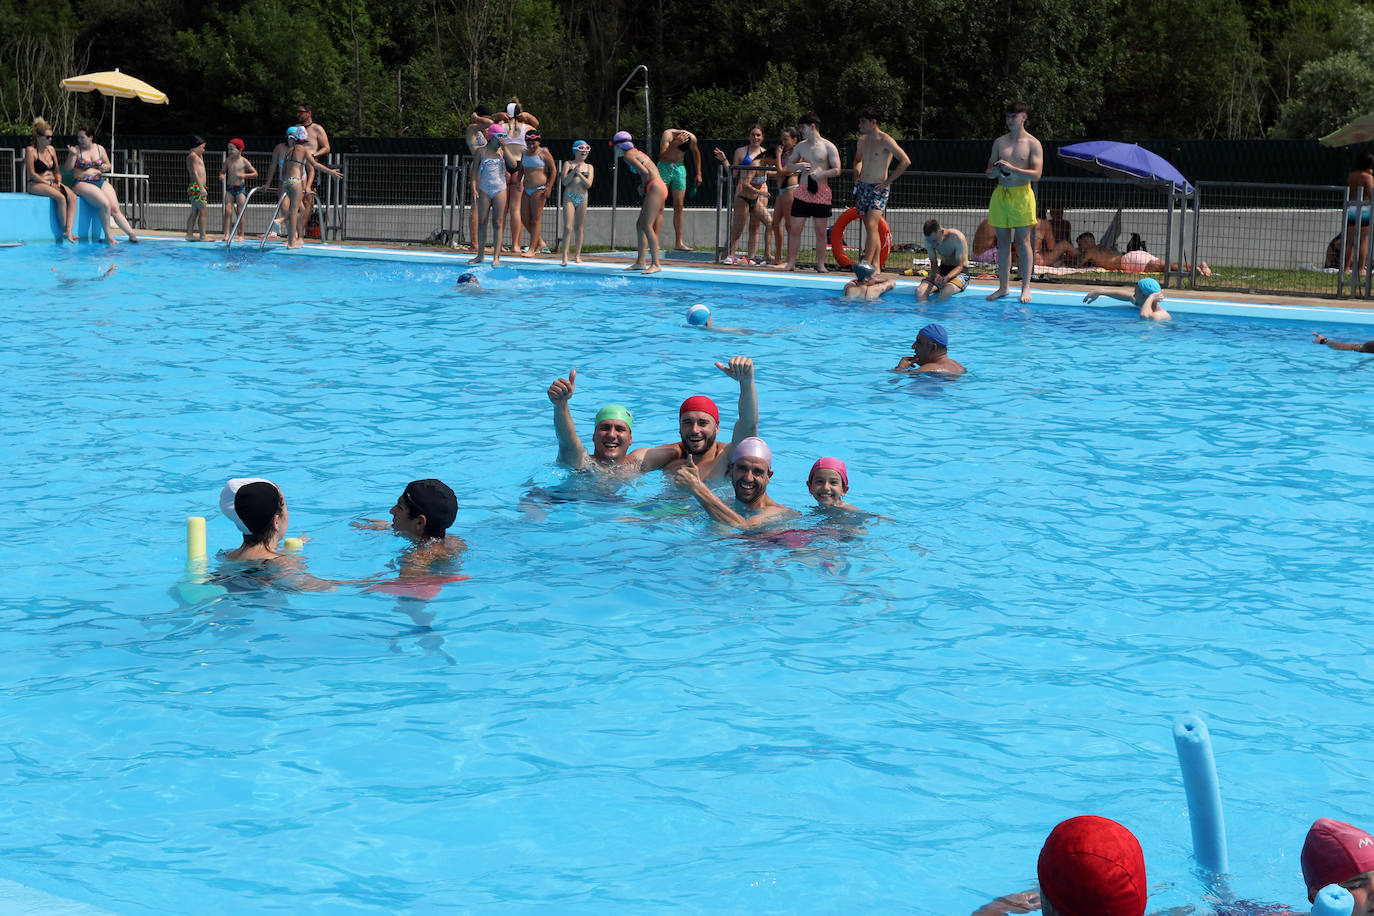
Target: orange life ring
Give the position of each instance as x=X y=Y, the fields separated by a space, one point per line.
x=837 y=238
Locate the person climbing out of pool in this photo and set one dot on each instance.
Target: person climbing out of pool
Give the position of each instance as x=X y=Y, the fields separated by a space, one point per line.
x=948 y=251
x=1089 y=866
x=828 y=483
x=1339 y=853
x=258 y=508
x=1147 y=296
x=612 y=433
x=699 y=424
x=751 y=467
x=866 y=284
x=930 y=353
x=1366 y=347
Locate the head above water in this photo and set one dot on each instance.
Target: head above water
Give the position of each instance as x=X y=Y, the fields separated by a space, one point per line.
x=698 y=315
x=226 y=499
x=616 y=412
x=830 y=464
x=1146 y=288
x=258 y=505
x=863 y=270
x=1335 y=853
x=432 y=499
x=698 y=422
x=1092 y=866
x=936 y=334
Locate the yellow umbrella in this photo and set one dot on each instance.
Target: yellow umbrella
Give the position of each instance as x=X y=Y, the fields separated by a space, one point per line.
x=116 y=84
x=1360 y=130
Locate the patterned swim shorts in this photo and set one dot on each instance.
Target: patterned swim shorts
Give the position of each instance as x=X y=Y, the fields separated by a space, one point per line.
x=195 y=195
x=868 y=197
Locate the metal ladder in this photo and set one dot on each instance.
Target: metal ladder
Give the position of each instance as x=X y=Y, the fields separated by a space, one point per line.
x=243 y=211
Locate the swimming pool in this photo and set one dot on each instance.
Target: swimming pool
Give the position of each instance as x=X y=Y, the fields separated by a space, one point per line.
x=1106 y=524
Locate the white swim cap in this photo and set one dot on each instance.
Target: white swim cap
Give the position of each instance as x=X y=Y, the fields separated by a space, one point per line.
x=226 y=498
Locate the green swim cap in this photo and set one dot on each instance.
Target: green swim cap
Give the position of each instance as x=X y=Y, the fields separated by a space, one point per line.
x=615 y=412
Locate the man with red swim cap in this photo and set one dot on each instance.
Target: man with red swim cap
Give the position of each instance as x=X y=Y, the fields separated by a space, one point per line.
x=1089 y=866
x=1338 y=853
x=699 y=423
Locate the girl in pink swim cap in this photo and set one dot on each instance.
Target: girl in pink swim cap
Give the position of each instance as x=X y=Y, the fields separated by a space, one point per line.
x=829 y=483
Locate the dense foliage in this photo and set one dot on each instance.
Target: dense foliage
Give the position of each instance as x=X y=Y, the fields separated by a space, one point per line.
x=938 y=68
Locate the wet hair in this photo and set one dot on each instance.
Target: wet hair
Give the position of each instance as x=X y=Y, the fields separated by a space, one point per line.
x=1364 y=161
x=871 y=114
x=256 y=505
x=41 y=127
x=1017 y=107
x=810 y=118
x=931 y=227
x=306 y=106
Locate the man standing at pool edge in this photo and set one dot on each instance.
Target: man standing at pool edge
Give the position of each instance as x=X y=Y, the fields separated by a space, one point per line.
x=1016 y=161
x=699 y=422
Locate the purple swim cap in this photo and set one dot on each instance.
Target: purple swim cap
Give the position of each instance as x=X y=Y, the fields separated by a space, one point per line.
x=623 y=140
x=936 y=334
x=753 y=447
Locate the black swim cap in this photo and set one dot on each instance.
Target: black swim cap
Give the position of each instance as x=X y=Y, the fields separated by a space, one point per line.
x=435 y=501
x=482 y=111
x=256 y=504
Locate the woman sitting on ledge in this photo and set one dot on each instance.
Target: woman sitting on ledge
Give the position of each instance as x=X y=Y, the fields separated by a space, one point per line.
x=44 y=176
x=90 y=162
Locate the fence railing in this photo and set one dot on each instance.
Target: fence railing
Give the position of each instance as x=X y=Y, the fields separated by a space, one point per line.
x=1287 y=239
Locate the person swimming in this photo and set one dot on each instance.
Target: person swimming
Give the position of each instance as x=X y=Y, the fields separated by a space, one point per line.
x=258 y=508
x=828 y=483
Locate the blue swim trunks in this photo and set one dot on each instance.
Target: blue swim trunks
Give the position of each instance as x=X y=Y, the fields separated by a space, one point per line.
x=867 y=197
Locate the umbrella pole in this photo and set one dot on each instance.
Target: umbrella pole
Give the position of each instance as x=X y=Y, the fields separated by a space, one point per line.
x=114 y=108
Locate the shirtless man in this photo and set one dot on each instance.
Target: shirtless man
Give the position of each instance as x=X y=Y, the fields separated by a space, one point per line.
x=317 y=143
x=1360 y=181
x=751 y=467
x=930 y=352
x=1366 y=347
x=233 y=176
x=611 y=437
x=872 y=184
x=1147 y=297
x=948 y=250
x=422 y=515
x=195 y=192
x=673 y=147
x=699 y=422
x=1016 y=161
x=814 y=161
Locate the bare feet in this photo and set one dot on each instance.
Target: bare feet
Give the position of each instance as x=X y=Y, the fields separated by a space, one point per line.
x=69 y=237
x=635 y=266
x=495 y=261
x=110 y=240
x=1025 y=296
x=578 y=259
x=476 y=260
x=821 y=268
x=563 y=261
x=1001 y=291
x=1203 y=269
x=653 y=268
x=682 y=248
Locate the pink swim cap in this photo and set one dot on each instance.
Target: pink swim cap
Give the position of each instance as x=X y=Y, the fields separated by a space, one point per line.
x=753 y=447
x=830 y=464
x=495 y=131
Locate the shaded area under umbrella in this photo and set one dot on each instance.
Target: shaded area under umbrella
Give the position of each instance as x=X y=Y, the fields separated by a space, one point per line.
x=118 y=86
x=1124 y=160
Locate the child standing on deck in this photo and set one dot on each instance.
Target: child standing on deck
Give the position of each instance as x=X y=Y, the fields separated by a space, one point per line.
x=233 y=177
x=577 y=182
x=195 y=193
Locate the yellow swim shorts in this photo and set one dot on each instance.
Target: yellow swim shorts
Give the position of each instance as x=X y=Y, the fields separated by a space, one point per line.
x=1012 y=208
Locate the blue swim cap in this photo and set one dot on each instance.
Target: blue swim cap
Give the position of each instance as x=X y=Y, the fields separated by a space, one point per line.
x=936 y=334
x=1148 y=287
x=699 y=315
x=466 y=277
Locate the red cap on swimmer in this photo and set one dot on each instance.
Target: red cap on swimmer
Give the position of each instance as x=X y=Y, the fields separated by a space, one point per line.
x=832 y=464
x=702 y=403
x=237 y=144
x=1093 y=866
x=1334 y=851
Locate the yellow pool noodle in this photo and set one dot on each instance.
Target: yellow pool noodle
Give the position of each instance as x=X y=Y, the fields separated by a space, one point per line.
x=292 y=545
x=195 y=538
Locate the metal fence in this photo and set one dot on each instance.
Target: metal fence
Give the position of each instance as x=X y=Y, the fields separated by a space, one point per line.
x=1287 y=239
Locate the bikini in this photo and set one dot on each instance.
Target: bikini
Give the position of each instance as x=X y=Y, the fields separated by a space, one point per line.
x=650 y=186
x=41 y=167
x=576 y=198
x=533 y=161
x=756 y=180
x=86 y=164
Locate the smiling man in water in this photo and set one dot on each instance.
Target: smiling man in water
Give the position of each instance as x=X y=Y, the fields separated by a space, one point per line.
x=751 y=467
x=699 y=423
x=611 y=436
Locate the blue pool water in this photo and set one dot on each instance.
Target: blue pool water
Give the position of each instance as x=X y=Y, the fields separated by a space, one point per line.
x=1104 y=525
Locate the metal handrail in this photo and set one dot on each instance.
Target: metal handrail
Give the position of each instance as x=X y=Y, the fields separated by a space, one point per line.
x=615 y=168
x=243 y=211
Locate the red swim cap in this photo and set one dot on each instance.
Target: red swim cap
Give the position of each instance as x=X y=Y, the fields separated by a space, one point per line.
x=1093 y=866
x=702 y=403
x=1334 y=851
